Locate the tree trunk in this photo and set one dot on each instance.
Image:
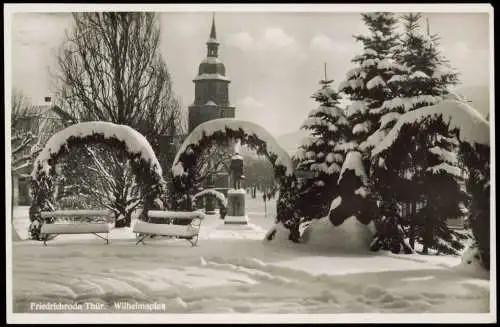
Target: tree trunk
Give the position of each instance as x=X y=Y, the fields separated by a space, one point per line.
x=426 y=249
x=412 y=223
x=120 y=204
x=125 y=222
x=427 y=235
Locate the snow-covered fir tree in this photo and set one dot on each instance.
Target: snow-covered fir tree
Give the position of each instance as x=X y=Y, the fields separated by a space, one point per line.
x=323 y=152
x=368 y=88
x=428 y=154
x=367 y=84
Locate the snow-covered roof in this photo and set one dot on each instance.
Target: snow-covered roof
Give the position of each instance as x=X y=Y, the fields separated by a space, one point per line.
x=472 y=126
x=221 y=125
x=211 y=76
x=353 y=161
x=134 y=141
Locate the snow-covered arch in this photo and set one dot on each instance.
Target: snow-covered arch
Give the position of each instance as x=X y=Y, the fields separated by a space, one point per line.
x=144 y=163
x=221 y=131
x=220 y=197
x=473 y=128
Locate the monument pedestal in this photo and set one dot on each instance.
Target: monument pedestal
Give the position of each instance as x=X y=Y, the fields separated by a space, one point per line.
x=236 y=214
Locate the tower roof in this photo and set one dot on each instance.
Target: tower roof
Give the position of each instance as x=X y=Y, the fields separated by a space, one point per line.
x=212 y=67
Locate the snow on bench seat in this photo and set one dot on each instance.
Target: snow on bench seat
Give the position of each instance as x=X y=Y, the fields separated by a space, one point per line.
x=165 y=229
x=168 y=225
x=176 y=214
x=76 y=213
x=75 y=228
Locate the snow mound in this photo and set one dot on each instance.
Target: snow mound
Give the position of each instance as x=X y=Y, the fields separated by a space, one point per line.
x=351 y=236
x=471 y=263
x=15 y=235
x=473 y=128
x=320 y=235
x=221 y=125
x=134 y=141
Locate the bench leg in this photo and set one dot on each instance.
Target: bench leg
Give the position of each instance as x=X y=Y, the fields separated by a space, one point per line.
x=104 y=238
x=46 y=237
x=194 y=240
x=140 y=239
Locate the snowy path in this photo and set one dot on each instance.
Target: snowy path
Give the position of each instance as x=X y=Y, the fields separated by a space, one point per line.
x=235 y=272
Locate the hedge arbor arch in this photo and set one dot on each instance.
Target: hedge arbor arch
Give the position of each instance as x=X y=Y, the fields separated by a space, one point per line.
x=473 y=134
x=143 y=162
x=218 y=196
x=222 y=132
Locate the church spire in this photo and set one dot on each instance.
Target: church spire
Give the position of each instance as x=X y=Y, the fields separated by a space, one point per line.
x=213 y=33
x=212 y=44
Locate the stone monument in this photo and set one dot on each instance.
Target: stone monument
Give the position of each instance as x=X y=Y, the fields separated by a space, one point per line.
x=236 y=213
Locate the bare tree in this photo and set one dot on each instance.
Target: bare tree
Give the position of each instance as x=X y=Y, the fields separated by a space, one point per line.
x=110 y=69
x=113 y=185
x=31 y=126
x=214 y=160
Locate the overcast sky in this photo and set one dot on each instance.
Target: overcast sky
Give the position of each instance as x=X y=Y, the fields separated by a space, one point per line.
x=274 y=60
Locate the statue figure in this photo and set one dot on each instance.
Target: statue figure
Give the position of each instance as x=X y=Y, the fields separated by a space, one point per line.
x=237 y=166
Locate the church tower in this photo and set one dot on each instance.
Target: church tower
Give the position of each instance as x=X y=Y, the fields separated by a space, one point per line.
x=211 y=99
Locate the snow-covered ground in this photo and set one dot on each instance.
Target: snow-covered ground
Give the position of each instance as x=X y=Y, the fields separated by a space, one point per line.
x=233 y=271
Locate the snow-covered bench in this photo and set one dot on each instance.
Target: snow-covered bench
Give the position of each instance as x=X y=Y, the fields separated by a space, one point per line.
x=75 y=227
x=166 y=225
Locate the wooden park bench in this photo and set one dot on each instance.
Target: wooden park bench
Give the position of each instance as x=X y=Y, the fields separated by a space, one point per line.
x=179 y=224
x=75 y=227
